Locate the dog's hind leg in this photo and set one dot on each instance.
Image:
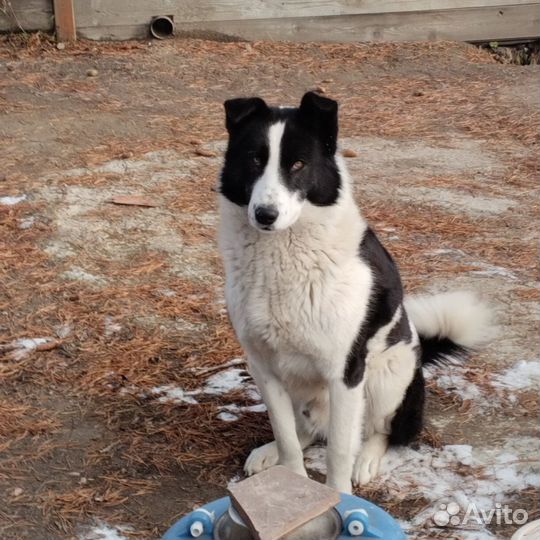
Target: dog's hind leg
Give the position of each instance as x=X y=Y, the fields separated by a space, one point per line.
x=389 y=375
x=368 y=461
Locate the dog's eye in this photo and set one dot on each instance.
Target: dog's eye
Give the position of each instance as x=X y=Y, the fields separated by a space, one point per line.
x=256 y=160
x=297 y=165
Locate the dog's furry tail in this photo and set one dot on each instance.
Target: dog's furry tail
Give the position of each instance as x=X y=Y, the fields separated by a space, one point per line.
x=450 y=325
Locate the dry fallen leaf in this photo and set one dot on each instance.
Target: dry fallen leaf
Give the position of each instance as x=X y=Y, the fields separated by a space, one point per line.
x=204 y=153
x=133 y=200
x=349 y=153
x=48 y=346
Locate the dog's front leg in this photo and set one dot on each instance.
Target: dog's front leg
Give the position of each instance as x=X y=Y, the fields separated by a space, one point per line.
x=344 y=433
x=281 y=413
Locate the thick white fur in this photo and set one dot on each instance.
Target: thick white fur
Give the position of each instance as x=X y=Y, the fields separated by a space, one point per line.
x=459 y=316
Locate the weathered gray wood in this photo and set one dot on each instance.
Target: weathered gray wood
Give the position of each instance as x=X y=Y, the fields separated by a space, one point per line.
x=26 y=15
x=467 y=24
x=110 y=12
x=114 y=33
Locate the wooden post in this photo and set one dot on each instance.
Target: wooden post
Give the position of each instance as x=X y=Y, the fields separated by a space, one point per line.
x=64 y=20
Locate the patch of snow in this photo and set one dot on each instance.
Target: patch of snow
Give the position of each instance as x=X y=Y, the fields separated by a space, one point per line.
x=315 y=457
x=234 y=480
x=12 y=200
x=78 y=274
x=220 y=383
x=256 y=408
x=102 y=531
x=492 y=270
x=226 y=381
x=453 y=380
x=233 y=379
x=167 y=293
x=227 y=416
x=484 y=269
x=170 y=393
x=230 y=363
x=59 y=249
x=447 y=251
x=63 y=330
x=111 y=327
x=458 y=384
x=27 y=223
x=524 y=375
x=23 y=347
x=483 y=534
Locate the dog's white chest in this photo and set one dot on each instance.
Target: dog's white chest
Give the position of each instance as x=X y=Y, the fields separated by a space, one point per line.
x=299 y=299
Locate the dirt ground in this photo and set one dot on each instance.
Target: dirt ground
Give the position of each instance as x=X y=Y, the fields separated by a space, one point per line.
x=120 y=409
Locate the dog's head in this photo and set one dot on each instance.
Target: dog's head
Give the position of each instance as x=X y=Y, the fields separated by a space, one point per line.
x=279 y=160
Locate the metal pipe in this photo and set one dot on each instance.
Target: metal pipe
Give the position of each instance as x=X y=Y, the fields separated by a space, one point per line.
x=162 y=26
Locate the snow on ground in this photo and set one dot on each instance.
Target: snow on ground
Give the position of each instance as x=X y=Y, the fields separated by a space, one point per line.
x=102 y=531
x=174 y=394
x=453 y=380
x=456 y=383
x=231 y=413
x=484 y=268
x=478 y=478
x=12 y=200
x=472 y=478
x=226 y=381
x=78 y=274
x=27 y=223
x=218 y=384
x=111 y=327
x=492 y=270
x=21 y=348
x=522 y=376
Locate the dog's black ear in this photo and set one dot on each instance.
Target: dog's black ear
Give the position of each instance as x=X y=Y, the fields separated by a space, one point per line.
x=237 y=110
x=321 y=113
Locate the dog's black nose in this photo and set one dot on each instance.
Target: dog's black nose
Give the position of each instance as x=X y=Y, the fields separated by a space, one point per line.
x=266 y=215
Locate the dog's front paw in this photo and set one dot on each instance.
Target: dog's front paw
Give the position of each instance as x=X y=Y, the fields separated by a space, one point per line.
x=369 y=460
x=261 y=458
x=365 y=469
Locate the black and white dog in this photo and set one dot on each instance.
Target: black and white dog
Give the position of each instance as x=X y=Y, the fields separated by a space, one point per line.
x=317 y=302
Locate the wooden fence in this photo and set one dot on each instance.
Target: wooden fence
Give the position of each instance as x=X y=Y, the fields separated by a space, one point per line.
x=298 y=20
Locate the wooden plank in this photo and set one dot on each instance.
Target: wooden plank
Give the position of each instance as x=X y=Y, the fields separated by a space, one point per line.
x=475 y=24
x=64 y=20
x=132 y=12
x=114 y=33
x=27 y=15
x=293 y=500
